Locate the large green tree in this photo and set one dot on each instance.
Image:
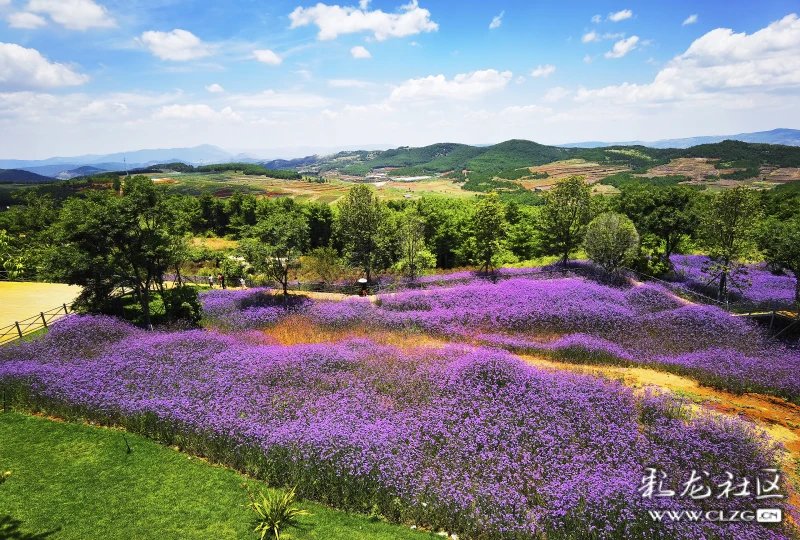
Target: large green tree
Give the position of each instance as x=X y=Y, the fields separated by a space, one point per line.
x=105 y=242
x=779 y=241
x=11 y=263
x=664 y=217
x=564 y=217
x=278 y=244
x=414 y=256
x=727 y=230
x=360 y=221
x=489 y=229
x=611 y=240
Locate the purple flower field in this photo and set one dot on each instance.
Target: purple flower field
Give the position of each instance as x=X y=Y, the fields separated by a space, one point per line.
x=243 y=309
x=465 y=439
x=764 y=287
x=579 y=320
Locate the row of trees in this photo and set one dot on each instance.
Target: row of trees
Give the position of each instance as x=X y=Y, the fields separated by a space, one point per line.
x=133 y=238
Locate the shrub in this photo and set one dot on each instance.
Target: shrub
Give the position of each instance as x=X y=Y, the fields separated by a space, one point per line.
x=611 y=240
x=183 y=304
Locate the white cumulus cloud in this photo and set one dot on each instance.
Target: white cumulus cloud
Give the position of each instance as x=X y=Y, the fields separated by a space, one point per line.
x=178 y=45
x=360 y=52
x=720 y=65
x=348 y=83
x=215 y=89
x=270 y=99
x=620 y=15
x=195 y=112
x=691 y=19
x=543 y=71
x=73 y=14
x=22 y=68
x=497 y=21
x=23 y=19
x=555 y=94
x=334 y=21
x=623 y=47
x=266 y=56
x=596 y=19
x=594 y=36
x=518 y=110
x=465 y=86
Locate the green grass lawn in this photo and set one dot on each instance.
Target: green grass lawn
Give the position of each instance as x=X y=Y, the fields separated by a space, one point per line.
x=78 y=481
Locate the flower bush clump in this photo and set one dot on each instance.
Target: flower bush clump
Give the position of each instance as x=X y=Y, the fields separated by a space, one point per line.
x=246 y=309
x=759 y=286
x=465 y=439
x=579 y=320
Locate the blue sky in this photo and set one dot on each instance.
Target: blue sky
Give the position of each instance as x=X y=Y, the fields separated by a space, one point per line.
x=97 y=76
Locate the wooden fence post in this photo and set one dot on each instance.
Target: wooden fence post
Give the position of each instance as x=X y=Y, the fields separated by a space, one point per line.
x=66 y=311
x=44 y=321
x=19 y=330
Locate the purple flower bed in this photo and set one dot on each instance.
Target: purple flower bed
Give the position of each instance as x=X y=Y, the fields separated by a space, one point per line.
x=244 y=309
x=591 y=323
x=764 y=287
x=465 y=439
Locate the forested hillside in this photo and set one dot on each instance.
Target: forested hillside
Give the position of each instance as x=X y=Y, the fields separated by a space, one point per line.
x=516 y=153
x=17 y=176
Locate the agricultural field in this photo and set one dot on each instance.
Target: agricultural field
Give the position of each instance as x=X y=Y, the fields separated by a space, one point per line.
x=224 y=184
x=781 y=175
x=698 y=169
x=703 y=171
x=532 y=406
x=594 y=172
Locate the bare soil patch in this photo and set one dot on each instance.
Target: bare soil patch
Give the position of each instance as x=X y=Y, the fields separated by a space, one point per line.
x=594 y=172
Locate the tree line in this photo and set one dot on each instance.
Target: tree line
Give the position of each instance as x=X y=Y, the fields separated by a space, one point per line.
x=136 y=236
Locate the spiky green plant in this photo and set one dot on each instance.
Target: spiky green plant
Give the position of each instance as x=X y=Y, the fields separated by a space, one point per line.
x=275 y=512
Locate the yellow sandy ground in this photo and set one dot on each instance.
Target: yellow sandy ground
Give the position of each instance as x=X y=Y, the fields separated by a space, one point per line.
x=22 y=300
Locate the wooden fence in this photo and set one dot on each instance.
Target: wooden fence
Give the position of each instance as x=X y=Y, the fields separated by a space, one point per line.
x=32 y=324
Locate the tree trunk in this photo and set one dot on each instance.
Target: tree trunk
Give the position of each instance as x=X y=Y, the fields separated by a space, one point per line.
x=146 y=307
x=285 y=286
x=722 y=293
x=160 y=286
x=565 y=259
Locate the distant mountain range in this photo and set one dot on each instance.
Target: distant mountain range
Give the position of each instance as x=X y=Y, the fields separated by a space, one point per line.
x=64 y=168
x=789 y=137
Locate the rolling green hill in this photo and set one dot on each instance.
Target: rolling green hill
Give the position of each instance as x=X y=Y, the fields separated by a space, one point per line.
x=443 y=157
x=18 y=176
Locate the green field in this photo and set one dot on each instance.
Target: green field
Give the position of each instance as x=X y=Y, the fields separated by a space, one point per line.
x=75 y=481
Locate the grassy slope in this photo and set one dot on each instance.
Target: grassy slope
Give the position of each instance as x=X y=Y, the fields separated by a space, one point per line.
x=77 y=481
